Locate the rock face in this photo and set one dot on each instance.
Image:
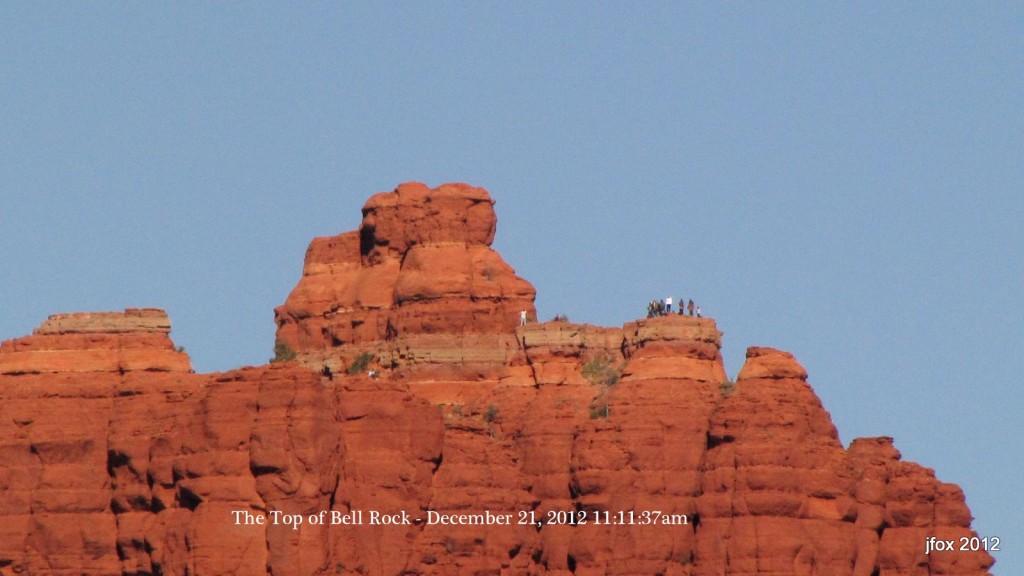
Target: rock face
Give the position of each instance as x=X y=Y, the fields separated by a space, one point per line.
x=781 y=495
x=417 y=286
x=136 y=339
x=116 y=459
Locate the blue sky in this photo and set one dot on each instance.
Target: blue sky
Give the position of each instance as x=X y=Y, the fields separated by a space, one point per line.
x=841 y=181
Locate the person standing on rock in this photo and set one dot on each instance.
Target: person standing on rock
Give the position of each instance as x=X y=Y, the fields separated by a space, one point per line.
x=698 y=311
x=690 y=307
x=522 y=317
x=668 y=305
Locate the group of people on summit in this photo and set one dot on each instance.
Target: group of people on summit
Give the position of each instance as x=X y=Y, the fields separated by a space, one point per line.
x=664 y=308
x=654 y=308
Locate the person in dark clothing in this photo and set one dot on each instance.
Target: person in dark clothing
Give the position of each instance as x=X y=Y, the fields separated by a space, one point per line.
x=689 y=307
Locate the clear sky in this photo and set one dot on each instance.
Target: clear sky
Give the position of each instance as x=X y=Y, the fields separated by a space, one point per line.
x=845 y=182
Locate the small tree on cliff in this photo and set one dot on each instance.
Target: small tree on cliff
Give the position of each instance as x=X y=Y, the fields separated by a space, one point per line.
x=362 y=362
x=602 y=373
x=282 y=353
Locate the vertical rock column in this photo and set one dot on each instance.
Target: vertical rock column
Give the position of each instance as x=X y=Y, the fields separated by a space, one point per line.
x=64 y=484
x=642 y=449
x=776 y=488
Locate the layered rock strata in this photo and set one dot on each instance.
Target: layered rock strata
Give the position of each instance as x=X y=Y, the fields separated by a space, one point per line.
x=116 y=459
x=781 y=495
x=416 y=286
x=136 y=339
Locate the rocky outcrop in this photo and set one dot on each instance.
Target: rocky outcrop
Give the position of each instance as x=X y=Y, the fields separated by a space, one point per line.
x=417 y=286
x=136 y=339
x=116 y=459
x=902 y=504
x=63 y=391
x=781 y=495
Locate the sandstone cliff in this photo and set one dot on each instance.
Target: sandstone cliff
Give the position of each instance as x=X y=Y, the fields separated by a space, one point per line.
x=115 y=458
x=418 y=286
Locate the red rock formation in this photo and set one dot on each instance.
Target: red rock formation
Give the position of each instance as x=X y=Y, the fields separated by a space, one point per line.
x=135 y=339
x=116 y=459
x=418 y=284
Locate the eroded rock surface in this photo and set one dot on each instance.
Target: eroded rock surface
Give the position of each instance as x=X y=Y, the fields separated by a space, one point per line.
x=116 y=459
x=418 y=286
